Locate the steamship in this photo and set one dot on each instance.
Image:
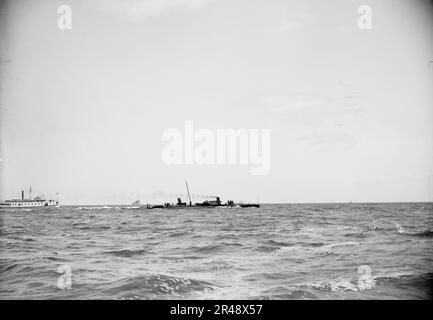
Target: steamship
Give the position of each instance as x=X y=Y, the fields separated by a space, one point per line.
x=207 y=204
x=29 y=202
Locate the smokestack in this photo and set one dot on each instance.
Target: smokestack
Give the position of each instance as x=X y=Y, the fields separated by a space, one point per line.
x=22 y=194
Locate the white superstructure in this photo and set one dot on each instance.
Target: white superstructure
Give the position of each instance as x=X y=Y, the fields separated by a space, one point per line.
x=30 y=202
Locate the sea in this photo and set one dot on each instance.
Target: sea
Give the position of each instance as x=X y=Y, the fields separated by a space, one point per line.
x=277 y=251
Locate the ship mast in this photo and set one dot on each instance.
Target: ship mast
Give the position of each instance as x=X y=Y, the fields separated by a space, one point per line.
x=189 y=196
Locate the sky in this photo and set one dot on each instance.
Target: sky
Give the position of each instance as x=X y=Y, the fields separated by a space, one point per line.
x=350 y=110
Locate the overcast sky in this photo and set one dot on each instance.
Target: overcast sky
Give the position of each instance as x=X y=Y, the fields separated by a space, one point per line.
x=350 y=110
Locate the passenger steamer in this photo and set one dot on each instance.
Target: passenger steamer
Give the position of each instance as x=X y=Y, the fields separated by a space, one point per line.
x=29 y=202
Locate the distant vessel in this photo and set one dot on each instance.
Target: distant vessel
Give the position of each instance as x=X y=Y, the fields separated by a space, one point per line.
x=208 y=203
x=29 y=202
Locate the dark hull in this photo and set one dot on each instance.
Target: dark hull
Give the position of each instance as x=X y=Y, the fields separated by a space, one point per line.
x=249 y=205
x=240 y=205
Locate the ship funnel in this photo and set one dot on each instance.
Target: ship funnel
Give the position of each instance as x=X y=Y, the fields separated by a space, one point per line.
x=22 y=194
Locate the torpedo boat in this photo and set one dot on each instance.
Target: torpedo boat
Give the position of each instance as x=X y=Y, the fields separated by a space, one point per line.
x=216 y=203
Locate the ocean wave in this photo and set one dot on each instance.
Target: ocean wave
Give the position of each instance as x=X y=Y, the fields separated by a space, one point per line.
x=283 y=293
x=274 y=243
x=268 y=248
x=392 y=279
x=178 y=234
x=314 y=244
x=392 y=226
x=127 y=253
x=213 y=247
x=8 y=266
x=12 y=239
x=23 y=266
x=92 y=227
x=94 y=208
x=75 y=224
x=387 y=225
x=398 y=275
x=356 y=235
x=16 y=209
x=424 y=234
x=156 y=285
x=45 y=259
x=334 y=286
x=408 y=281
x=341 y=244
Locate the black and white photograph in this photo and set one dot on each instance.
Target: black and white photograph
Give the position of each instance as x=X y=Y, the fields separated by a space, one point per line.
x=222 y=150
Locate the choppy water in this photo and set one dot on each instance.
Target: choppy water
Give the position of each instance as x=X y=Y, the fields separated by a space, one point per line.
x=304 y=251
